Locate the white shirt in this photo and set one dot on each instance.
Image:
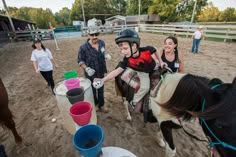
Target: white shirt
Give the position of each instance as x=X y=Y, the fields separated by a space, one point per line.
x=197 y=34
x=43 y=58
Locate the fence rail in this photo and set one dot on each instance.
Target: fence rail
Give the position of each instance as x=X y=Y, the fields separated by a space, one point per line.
x=225 y=32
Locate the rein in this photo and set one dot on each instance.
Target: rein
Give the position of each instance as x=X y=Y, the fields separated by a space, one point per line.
x=219 y=142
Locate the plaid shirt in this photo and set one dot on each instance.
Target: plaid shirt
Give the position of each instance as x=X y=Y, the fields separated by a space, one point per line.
x=93 y=58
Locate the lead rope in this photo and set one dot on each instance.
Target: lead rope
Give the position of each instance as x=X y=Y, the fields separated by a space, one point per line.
x=219 y=142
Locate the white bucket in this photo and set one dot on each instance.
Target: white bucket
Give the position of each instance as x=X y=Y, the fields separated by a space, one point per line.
x=64 y=104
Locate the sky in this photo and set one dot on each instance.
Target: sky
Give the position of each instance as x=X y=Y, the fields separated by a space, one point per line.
x=56 y=5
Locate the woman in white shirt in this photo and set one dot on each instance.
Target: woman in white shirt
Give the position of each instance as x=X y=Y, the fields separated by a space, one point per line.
x=197 y=36
x=43 y=62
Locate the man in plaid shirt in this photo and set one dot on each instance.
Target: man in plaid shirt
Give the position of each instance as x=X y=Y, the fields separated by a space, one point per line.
x=91 y=57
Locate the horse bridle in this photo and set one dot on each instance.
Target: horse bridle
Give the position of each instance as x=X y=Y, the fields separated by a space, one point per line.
x=219 y=142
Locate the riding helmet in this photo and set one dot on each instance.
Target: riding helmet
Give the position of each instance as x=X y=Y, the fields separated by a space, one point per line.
x=127 y=35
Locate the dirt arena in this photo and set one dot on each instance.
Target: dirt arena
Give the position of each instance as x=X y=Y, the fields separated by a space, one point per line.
x=34 y=106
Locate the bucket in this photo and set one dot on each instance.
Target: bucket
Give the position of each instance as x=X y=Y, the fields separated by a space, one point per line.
x=64 y=104
x=70 y=74
x=88 y=140
x=75 y=95
x=72 y=83
x=81 y=112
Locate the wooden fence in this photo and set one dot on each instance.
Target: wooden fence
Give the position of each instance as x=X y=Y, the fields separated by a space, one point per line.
x=224 y=32
x=30 y=35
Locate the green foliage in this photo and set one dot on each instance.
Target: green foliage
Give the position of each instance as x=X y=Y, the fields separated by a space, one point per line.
x=117 y=7
x=166 y=9
x=63 y=17
x=38 y=15
x=133 y=7
x=185 y=8
x=209 y=14
x=228 y=15
x=97 y=9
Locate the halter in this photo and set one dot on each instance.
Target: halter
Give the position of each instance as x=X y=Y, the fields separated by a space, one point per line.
x=219 y=142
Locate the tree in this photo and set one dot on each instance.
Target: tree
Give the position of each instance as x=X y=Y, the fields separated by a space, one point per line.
x=166 y=9
x=117 y=6
x=185 y=8
x=95 y=9
x=209 y=14
x=227 y=15
x=133 y=7
x=63 y=17
x=38 y=15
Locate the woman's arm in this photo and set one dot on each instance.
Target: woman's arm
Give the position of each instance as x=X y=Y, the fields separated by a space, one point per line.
x=181 y=62
x=54 y=63
x=161 y=63
x=35 y=63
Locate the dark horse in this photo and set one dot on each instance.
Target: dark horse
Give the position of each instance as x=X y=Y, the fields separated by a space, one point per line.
x=186 y=96
x=6 y=117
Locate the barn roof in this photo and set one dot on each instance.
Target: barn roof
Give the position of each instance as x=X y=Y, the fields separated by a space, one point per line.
x=4 y=17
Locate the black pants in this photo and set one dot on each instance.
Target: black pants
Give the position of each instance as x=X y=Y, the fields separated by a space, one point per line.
x=98 y=94
x=47 y=75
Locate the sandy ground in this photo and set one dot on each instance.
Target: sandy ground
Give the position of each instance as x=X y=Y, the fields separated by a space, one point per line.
x=34 y=106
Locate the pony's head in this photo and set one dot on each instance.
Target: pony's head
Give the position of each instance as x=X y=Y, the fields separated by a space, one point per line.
x=186 y=96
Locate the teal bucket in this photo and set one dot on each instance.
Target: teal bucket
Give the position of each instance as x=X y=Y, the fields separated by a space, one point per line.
x=88 y=140
x=70 y=74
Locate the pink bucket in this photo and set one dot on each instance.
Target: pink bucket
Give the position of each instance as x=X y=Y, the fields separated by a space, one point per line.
x=81 y=112
x=72 y=83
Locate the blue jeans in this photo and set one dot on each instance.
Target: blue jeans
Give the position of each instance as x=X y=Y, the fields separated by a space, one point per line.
x=195 y=46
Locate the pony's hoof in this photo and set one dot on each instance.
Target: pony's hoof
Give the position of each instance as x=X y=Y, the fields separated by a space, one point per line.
x=170 y=152
x=129 y=118
x=18 y=140
x=161 y=143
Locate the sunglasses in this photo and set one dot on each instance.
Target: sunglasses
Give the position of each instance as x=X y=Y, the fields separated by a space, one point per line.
x=94 y=34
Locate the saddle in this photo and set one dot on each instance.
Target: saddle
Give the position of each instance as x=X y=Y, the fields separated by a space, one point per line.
x=143 y=105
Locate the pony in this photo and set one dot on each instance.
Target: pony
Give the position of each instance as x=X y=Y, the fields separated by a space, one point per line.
x=6 y=117
x=185 y=96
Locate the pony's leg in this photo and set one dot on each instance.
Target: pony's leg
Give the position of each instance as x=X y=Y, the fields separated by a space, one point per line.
x=166 y=128
x=160 y=139
x=10 y=124
x=126 y=104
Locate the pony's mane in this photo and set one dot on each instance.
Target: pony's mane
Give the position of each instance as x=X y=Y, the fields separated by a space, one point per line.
x=192 y=90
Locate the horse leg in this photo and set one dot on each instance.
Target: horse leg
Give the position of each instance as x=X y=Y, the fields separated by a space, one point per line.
x=126 y=103
x=10 y=124
x=166 y=128
x=160 y=139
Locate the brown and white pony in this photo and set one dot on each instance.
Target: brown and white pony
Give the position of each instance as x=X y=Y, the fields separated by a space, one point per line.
x=186 y=96
x=6 y=117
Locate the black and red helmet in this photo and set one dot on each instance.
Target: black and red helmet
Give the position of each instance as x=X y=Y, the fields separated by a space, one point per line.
x=127 y=35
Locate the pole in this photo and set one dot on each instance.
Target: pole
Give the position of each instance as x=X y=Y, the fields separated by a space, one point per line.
x=82 y=5
x=9 y=17
x=53 y=33
x=194 y=9
x=139 y=10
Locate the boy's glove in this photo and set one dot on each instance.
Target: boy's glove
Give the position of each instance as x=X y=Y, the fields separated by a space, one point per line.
x=89 y=71
x=98 y=83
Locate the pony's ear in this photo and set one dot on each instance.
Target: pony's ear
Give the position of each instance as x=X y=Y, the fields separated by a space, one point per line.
x=234 y=82
x=215 y=81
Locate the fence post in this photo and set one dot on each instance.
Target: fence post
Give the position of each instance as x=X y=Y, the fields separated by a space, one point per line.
x=227 y=34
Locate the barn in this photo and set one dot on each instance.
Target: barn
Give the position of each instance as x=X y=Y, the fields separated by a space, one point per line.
x=19 y=25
